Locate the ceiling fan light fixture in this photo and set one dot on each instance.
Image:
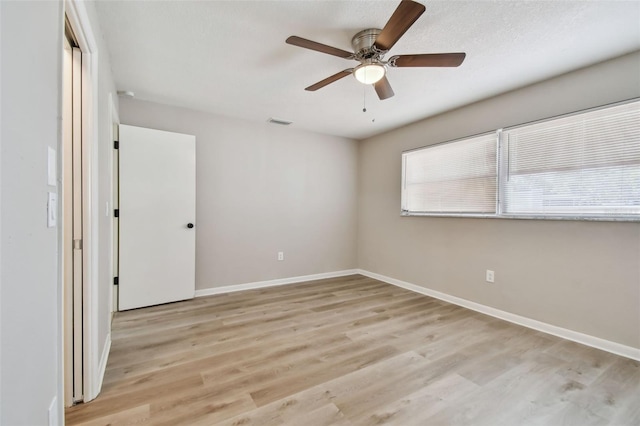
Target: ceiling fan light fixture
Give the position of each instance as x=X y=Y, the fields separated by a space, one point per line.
x=369 y=73
x=371 y=45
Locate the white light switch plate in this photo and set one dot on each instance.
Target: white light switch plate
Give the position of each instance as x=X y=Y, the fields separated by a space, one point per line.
x=52 y=167
x=52 y=210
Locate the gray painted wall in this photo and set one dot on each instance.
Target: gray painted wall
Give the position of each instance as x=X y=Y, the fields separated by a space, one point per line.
x=30 y=328
x=584 y=276
x=263 y=188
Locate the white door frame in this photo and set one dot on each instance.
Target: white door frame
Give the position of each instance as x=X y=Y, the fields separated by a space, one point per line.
x=79 y=20
x=71 y=230
x=113 y=190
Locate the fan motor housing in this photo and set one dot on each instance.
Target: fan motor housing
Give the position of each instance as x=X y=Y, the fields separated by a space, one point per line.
x=362 y=44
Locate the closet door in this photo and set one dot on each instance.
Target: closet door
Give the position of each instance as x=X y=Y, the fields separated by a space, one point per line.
x=157 y=217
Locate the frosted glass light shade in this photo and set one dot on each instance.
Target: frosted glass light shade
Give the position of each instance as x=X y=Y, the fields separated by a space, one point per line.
x=369 y=73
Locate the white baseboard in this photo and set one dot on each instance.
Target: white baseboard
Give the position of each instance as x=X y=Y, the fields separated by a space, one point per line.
x=103 y=363
x=272 y=283
x=585 y=339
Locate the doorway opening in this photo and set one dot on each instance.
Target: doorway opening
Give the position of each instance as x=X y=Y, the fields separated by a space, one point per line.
x=73 y=211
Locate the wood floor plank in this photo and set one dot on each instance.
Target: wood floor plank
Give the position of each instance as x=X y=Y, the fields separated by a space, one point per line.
x=131 y=416
x=200 y=409
x=115 y=402
x=418 y=406
x=349 y=351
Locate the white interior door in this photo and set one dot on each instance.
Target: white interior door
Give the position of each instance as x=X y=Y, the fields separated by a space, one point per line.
x=157 y=217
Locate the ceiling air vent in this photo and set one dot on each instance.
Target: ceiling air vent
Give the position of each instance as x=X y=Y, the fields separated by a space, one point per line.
x=278 y=121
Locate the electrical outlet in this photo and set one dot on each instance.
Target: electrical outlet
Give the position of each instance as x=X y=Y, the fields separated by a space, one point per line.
x=491 y=276
x=280 y=255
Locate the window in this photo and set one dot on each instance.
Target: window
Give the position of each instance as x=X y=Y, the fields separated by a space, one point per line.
x=456 y=177
x=585 y=165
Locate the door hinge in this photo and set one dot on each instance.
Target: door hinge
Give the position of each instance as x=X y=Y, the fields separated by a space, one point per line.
x=116 y=144
x=77 y=244
x=115 y=281
x=116 y=213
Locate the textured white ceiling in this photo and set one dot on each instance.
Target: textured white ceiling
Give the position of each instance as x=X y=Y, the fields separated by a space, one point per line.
x=230 y=57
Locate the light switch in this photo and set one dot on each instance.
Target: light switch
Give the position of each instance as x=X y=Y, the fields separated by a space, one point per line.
x=52 y=210
x=52 y=167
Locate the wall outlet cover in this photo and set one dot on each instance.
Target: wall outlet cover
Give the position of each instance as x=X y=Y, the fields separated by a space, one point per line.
x=490 y=276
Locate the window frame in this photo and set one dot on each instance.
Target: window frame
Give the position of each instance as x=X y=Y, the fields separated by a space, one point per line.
x=502 y=170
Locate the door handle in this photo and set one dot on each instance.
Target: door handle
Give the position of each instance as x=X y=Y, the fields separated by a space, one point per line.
x=189 y=225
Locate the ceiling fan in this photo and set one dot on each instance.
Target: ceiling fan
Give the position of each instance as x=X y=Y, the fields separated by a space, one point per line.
x=372 y=44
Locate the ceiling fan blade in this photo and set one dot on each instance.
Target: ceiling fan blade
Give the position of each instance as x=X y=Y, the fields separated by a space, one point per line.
x=318 y=47
x=404 y=16
x=383 y=89
x=329 y=80
x=427 y=60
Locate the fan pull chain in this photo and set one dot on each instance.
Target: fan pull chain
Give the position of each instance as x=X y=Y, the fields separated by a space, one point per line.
x=364 y=99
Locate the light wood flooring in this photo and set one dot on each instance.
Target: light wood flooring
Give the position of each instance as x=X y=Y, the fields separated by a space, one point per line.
x=350 y=351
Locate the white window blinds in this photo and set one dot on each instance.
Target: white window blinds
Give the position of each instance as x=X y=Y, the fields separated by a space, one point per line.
x=455 y=178
x=585 y=165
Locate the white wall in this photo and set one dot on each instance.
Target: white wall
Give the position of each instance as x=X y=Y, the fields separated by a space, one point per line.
x=31 y=74
x=31 y=308
x=583 y=276
x=1 y=134
x=263 y=188
x=106 y=91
